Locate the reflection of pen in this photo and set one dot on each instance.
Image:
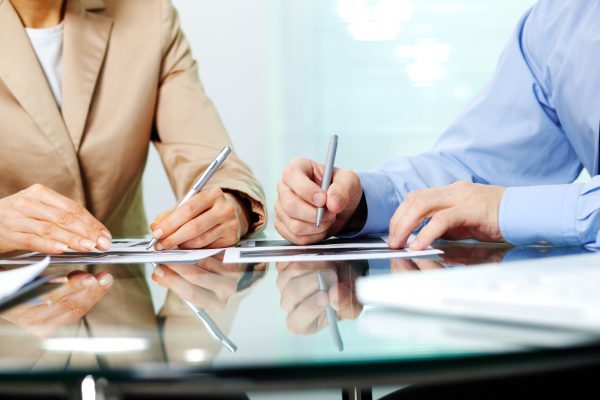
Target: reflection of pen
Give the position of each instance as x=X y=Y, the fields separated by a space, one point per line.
x=327 y=174
x=210 y=325
x=201 y=181
x=331 y=317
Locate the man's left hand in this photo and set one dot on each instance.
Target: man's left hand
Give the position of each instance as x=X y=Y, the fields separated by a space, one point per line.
x=461 y=210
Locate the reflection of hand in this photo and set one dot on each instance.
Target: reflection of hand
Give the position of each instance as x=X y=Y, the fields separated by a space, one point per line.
x=212 y=218
x=207 y=284
x=305 y=304
x=456 y=253
x=63 y=306
x=413 y=264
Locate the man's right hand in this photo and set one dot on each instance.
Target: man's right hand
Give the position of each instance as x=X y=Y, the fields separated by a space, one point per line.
x=300 y=194
x=39 y=219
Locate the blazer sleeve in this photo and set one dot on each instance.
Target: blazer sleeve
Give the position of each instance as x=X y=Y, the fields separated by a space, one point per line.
x=188 y=130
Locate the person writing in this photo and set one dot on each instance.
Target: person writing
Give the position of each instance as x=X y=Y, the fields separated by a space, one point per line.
x=503 y=171
x=85 y=87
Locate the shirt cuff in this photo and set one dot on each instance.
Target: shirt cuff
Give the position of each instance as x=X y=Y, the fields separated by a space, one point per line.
x=540 y=215
x=382 y=202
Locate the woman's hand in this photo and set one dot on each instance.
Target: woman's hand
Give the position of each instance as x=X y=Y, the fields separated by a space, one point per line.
x=212 y=218
x=39 y=219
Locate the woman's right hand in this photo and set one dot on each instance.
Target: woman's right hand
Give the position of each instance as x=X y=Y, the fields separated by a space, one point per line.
x=39 y=219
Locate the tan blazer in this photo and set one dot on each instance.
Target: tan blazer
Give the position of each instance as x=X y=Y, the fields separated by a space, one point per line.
x=128 y=79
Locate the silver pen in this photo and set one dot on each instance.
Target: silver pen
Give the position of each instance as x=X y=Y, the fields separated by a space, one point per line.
x=212 y=327
x=331 y=317
x=333 y=142
x=201 y=181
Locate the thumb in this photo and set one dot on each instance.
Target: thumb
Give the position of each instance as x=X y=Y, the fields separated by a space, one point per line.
x=341 y=189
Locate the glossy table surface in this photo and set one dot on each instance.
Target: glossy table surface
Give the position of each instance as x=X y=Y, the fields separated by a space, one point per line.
x=141 y=328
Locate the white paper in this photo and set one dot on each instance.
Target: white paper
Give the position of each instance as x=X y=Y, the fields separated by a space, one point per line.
x=123 y=251
x=366 y=242
x=320 y=253
x=14 y=279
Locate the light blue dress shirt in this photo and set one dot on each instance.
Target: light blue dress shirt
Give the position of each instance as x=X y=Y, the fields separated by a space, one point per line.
x=532 y=129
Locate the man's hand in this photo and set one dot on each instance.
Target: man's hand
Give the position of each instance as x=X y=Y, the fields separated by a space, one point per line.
x=299 y=196
x=459 y=211
x=306 y=304
x=39 y=219
x=212 y=218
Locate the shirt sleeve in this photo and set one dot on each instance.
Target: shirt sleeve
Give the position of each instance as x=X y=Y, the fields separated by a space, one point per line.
x=505 y=136
x=556 y=214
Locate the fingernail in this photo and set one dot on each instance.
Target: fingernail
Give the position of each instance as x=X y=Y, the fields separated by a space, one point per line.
x=415 y=245
x=159 y=247
x=104 y=243
x=60 y=247
x=106 y=280
x=157 y=234
x=159 y=271
x=89 y=281
x=107 y=234
x=322 y=300
x=87 y=244
x=319 y=198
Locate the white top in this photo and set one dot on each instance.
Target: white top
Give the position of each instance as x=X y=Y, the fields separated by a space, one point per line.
x=47 y=44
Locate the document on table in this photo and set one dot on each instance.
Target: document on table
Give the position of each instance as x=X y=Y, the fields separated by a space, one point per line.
x=14 y=279
x=123 y=251
x=329 y=250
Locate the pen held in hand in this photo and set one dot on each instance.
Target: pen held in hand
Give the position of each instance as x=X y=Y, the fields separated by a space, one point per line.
x=201 y=181
x=327 y=173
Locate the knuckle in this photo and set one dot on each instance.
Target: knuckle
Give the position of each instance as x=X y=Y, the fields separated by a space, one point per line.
x=75 y=208
x=48 y=228
x=187 y=208
x=36 y=188
x=295 y=226
x=65 y=218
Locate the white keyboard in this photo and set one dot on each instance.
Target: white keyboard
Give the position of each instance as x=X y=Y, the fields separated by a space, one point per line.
x=561 y=291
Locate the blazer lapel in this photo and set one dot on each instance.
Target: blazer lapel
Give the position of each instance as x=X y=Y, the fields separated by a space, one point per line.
x=23 y=75
x=85 y=44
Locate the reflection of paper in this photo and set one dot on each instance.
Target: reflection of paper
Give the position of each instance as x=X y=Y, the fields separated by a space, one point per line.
x=123 y=251
x=367 y=242
x=305 y=253
x=14 y=279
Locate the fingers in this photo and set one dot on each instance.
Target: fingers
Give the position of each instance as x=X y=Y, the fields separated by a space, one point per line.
x=26 y=241
x=73 y=209
x=298 y=176
x=414 y=209
x=187 y=211
x=198 y=296
x=295 y=207
x=53 y=232
x=309 y=317
x=300 y=240
x=340 y=190
x=439 y=224
x=303 y=228
x=194 y=228
x=224 y=284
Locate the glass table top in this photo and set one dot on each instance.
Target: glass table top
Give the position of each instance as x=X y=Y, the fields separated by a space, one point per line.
x=211 y=317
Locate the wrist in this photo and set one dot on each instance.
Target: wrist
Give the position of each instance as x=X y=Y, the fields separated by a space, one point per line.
x=241 y=211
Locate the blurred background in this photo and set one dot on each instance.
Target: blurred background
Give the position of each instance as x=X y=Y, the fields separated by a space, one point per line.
x=387 y=76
